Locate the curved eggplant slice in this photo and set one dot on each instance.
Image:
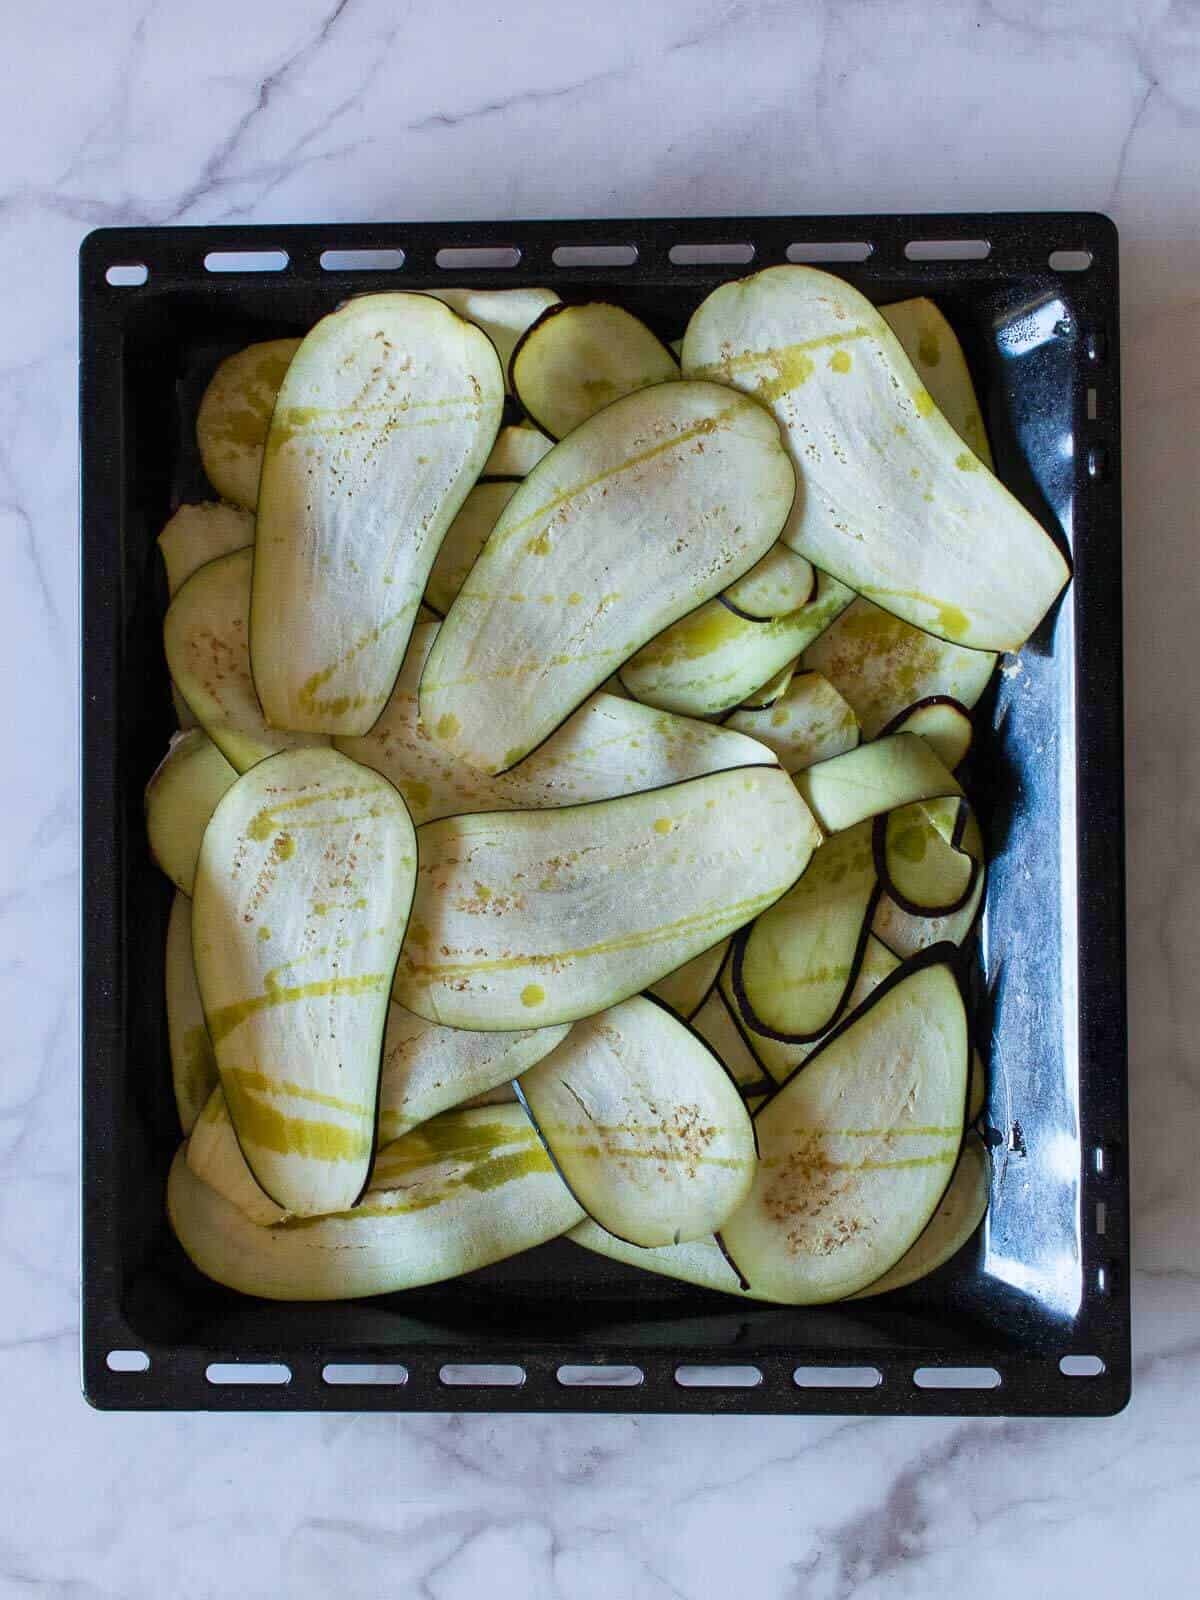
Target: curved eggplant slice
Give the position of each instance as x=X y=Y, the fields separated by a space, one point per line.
x=465 y=538
x=883 y=666
x=611 y=746
x=644 y=1123
x=517 y=450
x=686 y=989
x=577 y=359
x=193 y=1064
x=923 y=859
x=714 y=659
x=701 y=1262
x=182 y=795
x=460 y=1192
x=780 y=583
x=781 y=1057
x=198 y=534
x=235 y=414
x=927 y=531
x=428 y=1069
x=383 y=422
x=301 y=900
x=503 y=314
x=643 y=513
x=205 y=634
x=793 y=970
x=932 y=346
x=872 y=779
x=715 y=1025
x=536 y=917
x=857 y=1148
x=215 y=1156
x=809 y=722
x=962 y=1209
x=907 y=935
x=944 y=725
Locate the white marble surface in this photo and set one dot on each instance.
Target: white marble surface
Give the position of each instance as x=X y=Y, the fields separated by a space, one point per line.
x=121 y=111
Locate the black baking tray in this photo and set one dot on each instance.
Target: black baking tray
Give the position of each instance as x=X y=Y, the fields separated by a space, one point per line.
x=1047 y=1277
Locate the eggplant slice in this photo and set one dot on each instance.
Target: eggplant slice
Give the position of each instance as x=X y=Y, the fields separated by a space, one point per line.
x=714 y=659
x=517 y=450
x=235 y=415
x=872 y=779
x=944 y=725
x=529 y=918
x=809 y=722
x=302 y=896
x=928 y=856
x=183 y=792
x=644 y=1123
x=686 y=989
x=577 y=359
x=928 y=532
x=700 y=1262
x=460 y=1192
x=883 y=666
x=956 y=1220
x=857 y=1148
x=640 y=515
x=198 y=534
x=193 y=1063
x=384 y=421
x=793 y=970
x=932 y=346
x=715 y=1025
x=215 y=1156
x=611 y=746
x=778 y=584
x=465 y=538
x=503 y=314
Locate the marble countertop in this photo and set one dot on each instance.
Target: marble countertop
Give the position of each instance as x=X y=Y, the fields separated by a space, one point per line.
x=143 y=111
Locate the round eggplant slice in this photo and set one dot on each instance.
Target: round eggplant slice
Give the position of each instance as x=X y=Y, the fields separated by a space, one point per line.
x=645 y=1125
x=809 y=722
x=778 y=584
x=857 y=1148
x=577 y=359
x=460 y=1192
x=198 y=534
x=235 y=415
x=924 y=857
x=182 y=795
x=384 y=421
x=301 y=899
x=944 y=725
x=793 y=970
x=962 y=1209
x=643 y=513
x=528 y=918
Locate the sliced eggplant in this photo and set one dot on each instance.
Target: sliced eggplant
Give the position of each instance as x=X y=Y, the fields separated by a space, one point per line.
x=528 y=918
x=503 y=314
x=958 y=1216
x=643 y=513
x=714 y=659
x=686 y=989
x=235 y=414
x=181 y=796
x=701 y=1261
x=457 y=1193
x=517 y=450
x=925 y=860
x=725 y=1039
x=932 y=346
x=872 y=779
x=644 y=1123
x=781 y=1057
x=609 y=747
x=894 y=503
x=883 y=666
x=577 y=359
x=906 y=934
x=944 y=725
x=198 y=534
x=193 y=1064
x=301 y=899
x=794 y=968
x=771 y=692
x=857 y=1148
x=215 y=1156
x=780 y=583
x=465 y=538
x=428 y=1069
x=205 y=633
x=809 y=722
x=383 y=422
